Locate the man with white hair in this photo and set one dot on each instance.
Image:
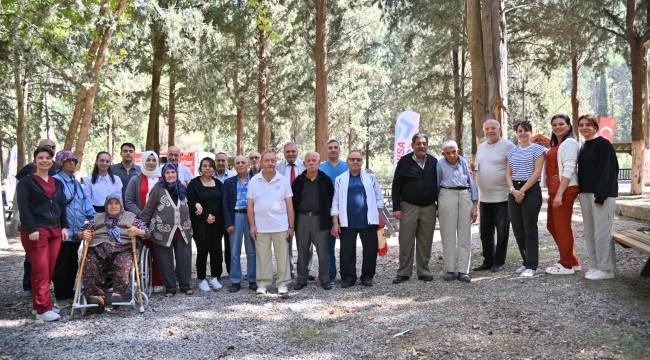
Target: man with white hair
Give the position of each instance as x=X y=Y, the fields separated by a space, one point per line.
x=312 y=200
x=457 y=210
x=174 y=157
x=490 y=170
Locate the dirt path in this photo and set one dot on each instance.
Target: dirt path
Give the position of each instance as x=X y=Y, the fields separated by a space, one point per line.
x=497 y=316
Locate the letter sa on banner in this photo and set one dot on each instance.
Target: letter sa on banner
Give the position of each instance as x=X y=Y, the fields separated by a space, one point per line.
x=407 y=125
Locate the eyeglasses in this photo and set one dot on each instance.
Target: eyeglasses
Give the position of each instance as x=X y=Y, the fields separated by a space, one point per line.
x=240 y=162
x=355 y=159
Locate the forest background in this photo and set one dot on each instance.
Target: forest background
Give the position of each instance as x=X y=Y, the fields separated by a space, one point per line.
x=237 y=75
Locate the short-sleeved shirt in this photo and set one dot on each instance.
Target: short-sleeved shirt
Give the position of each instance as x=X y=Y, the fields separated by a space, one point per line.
x=491 y=160
x=242 y=191
x=333 y=171
x=269 y=202
x=522 y=161
x=357 y=204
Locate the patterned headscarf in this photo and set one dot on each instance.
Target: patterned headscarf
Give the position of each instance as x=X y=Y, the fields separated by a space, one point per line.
x=176 y=187
x=63 y=156
x=112 y=221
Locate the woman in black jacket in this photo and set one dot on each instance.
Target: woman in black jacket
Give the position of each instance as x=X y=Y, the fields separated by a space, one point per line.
x=598 y=182
x=41 y=202
x=204 y=196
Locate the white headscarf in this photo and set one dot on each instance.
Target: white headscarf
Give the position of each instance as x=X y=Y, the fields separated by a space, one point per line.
x=155 y=173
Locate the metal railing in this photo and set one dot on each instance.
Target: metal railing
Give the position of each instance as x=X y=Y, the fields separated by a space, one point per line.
x=624 y=174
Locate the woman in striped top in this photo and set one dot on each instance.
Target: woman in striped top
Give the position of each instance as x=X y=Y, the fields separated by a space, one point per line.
x=523 y=171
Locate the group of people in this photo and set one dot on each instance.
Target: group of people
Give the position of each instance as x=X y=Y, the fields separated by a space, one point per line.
x=264 y=204
x=503 y=185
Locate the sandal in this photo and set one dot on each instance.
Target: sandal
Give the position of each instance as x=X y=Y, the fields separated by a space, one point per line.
x=188 y=292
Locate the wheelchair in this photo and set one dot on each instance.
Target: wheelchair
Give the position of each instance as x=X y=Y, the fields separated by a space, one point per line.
x=140 y=275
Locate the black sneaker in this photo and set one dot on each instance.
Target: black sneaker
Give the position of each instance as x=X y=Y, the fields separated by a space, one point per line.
x=400 y=279
x=327 y=286
x=483 y=267
x=496 y=268
x=234 y=288
x=367 y=282
x=346 y=284
x=450 y=276
x=298 y=286
x=425 y=278
x=252 y=286
x=464 y=278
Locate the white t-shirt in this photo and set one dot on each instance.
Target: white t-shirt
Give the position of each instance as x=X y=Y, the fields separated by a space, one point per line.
x=491 y=160
x=269 y=203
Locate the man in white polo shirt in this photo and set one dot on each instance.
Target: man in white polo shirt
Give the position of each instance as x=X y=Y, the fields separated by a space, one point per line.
x=271 y=219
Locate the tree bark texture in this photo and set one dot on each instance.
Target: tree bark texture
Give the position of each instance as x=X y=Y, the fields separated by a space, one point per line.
x=240 y=125
x=638 y=68
x=479 y=88
x=575 y=102
x=261 y=91
x=171 y=115
x=495 y=55
x=153 y=130
x=458 y=67
x=320 y=57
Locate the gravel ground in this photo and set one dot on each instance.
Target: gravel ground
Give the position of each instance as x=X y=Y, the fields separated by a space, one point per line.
x=497 y=316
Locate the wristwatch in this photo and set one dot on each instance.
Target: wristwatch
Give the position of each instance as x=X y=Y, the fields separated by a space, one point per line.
x=512 y=189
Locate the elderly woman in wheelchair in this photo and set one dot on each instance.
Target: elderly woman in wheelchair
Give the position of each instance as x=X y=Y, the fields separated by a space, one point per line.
x=110 y=237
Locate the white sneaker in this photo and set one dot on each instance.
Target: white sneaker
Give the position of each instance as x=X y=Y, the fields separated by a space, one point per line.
x=590 y=272
x=599 y=275
x=282 y=290
x=260 y=290
x=203 y=286
x=158 y=289
x=216 y=285
x=48 y=316
x=527 y=273
x=520 y=269
x=577 y=268
x=558 y=269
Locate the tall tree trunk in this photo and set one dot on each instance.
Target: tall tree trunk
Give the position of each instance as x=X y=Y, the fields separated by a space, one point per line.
x=18 y=86
x=638 y=68
x=457 y=67
x=240 y=125
x=575 y=102
x=261 y=90
x=83 y=112
x=479 y=88
x=109 y=133
x=153 y=130
x=495 y=55
x=171 y=117
x=47 y=104
x=320 y=55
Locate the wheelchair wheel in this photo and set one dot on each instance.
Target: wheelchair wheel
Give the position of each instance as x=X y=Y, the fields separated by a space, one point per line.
x=145 y=270
x=145 y=302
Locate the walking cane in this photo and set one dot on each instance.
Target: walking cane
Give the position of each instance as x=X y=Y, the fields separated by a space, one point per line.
x=77 y=289
x=138 y=280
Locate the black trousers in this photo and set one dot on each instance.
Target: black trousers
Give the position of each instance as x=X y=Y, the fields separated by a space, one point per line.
x=65 y=273
x=523 y=218
x=207 y=238
x=27 y=273
x=494 y=216
x=348 y=254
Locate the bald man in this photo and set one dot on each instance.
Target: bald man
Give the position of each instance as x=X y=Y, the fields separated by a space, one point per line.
x=490 y=170
x=174 y=157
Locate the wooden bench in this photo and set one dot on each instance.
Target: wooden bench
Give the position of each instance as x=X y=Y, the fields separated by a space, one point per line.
x=637 y=240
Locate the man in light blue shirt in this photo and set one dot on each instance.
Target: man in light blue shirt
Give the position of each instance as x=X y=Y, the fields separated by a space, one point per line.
x=333 y=167
x=457 y=210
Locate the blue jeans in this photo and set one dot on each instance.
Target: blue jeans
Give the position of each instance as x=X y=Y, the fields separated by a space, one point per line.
x=241 y=229
x=331 y=243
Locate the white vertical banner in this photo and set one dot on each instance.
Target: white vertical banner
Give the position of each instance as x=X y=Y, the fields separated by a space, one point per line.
x=407 y=125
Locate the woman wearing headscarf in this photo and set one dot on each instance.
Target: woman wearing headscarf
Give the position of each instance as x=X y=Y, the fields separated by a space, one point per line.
x=110 y=235
x=136 y=196
x=205 y=196
x=102 y=182
x=168 y=216
x=78 y=209
x=42 y=228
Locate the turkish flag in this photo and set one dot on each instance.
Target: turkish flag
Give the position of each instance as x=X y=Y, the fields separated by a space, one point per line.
x=606 y=127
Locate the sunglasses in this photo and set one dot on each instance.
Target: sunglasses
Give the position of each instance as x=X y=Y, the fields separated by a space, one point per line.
x=355 y=159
